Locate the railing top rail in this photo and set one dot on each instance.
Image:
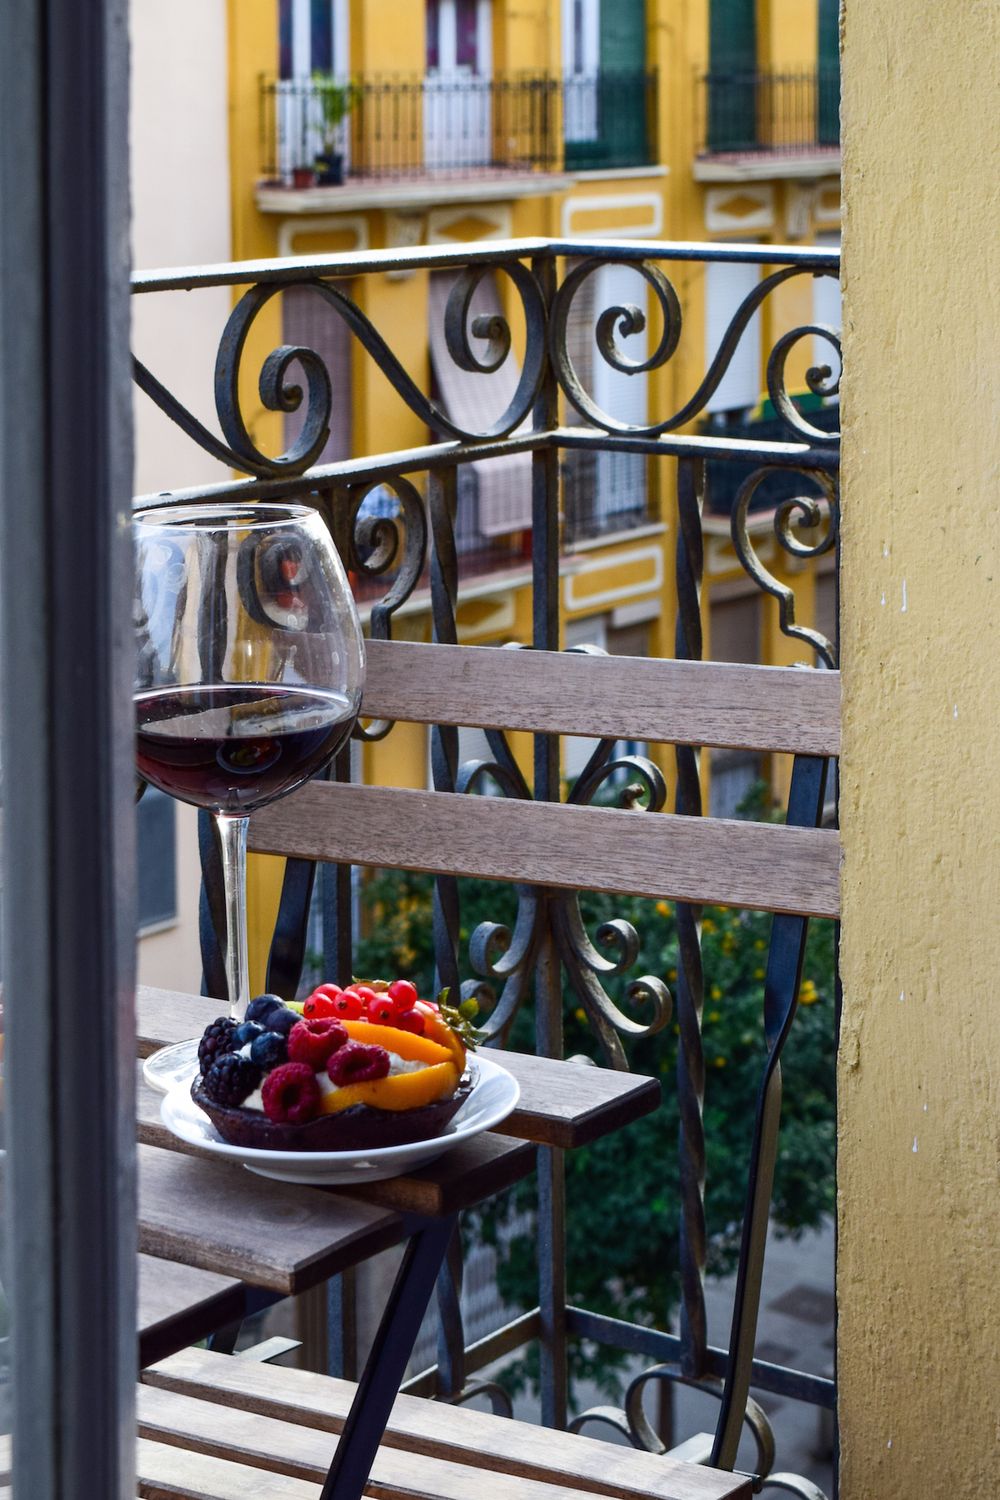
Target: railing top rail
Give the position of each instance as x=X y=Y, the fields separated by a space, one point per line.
x=288 y=270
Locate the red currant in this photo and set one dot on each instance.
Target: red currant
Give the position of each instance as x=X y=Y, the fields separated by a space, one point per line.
x=382 y=1011
x=410 y=1020
x=367 y=996
x=347 y=1005
x=318 y=1005
x=403 y=994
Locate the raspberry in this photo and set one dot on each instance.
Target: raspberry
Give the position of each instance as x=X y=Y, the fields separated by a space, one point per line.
x=313 y=1041
x=231 y=1079
x=291 y=1094
x=357 y=1063
x=216 y=1040
x=410 y=1020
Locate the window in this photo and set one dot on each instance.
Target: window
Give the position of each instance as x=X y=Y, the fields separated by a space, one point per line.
x=606 y=492
x=734 y=635
x=157 y=895
x=312 y=37
x=727 y=284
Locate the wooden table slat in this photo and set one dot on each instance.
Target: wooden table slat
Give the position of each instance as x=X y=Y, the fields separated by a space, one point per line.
x=179 y=1304
x=274 y=1235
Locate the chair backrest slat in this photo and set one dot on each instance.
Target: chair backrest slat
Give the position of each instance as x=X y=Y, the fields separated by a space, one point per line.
x=764 y=866
x=783 y=709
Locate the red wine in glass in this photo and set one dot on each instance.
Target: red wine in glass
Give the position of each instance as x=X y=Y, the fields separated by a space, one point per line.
x=232 y=748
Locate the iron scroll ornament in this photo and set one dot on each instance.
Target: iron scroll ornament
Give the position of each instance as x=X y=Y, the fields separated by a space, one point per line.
x=628 y=320
x=279 y=394
x=806 y=511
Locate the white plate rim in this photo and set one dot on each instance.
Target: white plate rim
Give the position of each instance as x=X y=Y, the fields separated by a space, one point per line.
x=179 y=1100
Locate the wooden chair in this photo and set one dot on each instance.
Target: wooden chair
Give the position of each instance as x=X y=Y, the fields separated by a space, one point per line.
x=205 y=1417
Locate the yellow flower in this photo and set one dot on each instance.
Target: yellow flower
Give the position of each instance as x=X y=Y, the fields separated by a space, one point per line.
x=581 y=1015
x=808 y=994
x=671 y=974
x=759 y=944
x=708 y=925
x=662 y=909
x=718 y=1062
x=758 y=973
x=728 y=943
x=715 y=993
x=715 y=1015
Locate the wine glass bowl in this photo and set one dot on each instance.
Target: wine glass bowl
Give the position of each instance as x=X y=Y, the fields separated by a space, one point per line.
x=249 y=668
x=250 y=661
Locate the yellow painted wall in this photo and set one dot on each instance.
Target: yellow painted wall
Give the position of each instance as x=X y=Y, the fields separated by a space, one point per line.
x=787 y=33
x=919 y=1131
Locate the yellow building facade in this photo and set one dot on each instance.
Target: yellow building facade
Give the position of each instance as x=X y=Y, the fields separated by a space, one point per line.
x=465 y=121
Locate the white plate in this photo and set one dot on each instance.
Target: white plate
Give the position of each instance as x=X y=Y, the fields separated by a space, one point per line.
x=494 y=1094
x=168 y=1067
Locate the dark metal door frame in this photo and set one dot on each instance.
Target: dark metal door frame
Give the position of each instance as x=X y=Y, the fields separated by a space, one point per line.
x=68 y=832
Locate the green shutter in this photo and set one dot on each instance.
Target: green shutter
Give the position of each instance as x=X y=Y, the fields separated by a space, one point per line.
x=828 y=77
x=623 y=97
x=732 y=86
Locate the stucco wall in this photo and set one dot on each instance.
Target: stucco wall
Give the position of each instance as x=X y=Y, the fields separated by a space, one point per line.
x=180 y=216
x=919 y=1338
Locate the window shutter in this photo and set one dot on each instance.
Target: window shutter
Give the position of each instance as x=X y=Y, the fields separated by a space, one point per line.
x=732 y=90
x=828 y=76
x=311 y=324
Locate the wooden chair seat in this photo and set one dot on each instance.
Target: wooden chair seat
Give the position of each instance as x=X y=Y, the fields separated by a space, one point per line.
x=212 y=1427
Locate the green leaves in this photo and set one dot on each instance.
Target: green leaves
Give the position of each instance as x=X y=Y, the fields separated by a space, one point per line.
x=623 y=1191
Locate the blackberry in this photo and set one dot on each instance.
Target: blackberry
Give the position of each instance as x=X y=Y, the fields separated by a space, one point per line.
x=231 y=1079
x=217 y=1040
x=249 y=1031
x=259 y=1010
x=269 y=1050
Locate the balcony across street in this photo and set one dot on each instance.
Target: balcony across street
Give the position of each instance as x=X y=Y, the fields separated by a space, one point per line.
x=441 y=126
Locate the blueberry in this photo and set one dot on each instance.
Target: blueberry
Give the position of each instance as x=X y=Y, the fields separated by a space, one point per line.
x=269 y=1050
x=258 y=1010
x=245 y=1033
x=282 y=1020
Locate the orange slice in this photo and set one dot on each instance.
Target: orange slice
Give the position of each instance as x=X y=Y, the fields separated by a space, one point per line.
x=404 y=1091
x=439 y=1031
x=405 y=1044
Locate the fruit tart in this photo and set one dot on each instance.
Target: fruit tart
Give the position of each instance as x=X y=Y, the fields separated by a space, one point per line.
x=348 y=1069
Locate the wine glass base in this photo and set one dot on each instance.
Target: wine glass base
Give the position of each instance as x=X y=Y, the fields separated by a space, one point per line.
x=165 y=1069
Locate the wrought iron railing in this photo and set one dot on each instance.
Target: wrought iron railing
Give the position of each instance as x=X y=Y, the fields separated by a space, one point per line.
x=389 y=553
x=322 y=132
x=789 y=113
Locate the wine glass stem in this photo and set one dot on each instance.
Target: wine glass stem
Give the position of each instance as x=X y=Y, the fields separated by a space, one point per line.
x=233 y=842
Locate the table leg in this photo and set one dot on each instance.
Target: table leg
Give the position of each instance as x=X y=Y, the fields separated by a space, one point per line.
x=386 y=1364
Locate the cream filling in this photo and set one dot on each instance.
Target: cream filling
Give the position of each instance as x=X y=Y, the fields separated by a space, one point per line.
x=327 y=1086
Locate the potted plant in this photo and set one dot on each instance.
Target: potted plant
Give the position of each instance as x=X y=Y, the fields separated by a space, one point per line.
x=303 y=177
x=336 y=100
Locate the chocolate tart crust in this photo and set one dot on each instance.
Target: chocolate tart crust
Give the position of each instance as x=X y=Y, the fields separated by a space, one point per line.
x=360 y=1128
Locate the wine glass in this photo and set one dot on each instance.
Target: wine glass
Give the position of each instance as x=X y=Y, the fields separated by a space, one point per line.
x=249 y=673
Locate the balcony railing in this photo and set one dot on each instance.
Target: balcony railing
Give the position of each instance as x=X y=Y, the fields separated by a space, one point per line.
x=398 y=519
x=766 y=112
x=320 y=133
